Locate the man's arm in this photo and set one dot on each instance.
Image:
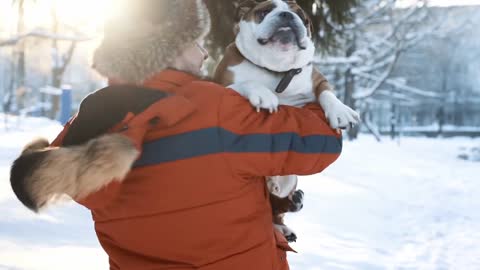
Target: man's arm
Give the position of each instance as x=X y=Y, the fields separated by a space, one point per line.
x=102 y=110
x=291 y=141
x=86 y=156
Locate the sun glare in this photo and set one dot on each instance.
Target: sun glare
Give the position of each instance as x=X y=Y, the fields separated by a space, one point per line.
x=90 y=13
x=86 y=15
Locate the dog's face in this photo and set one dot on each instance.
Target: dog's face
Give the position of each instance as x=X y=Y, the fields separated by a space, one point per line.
x=275 y=34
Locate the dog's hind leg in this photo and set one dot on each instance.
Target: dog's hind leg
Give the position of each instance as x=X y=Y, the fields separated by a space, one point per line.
x=280 y=206
x=292 y=203
x=279 y=224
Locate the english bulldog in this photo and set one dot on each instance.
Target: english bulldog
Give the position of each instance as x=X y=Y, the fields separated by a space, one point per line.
x=270 y=64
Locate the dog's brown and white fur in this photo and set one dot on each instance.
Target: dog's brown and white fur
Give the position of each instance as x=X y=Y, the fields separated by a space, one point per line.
x=272 y=38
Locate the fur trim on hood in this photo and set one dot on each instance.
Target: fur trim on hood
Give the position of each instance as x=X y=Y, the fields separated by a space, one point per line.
x=148 y=37
x=43 y=173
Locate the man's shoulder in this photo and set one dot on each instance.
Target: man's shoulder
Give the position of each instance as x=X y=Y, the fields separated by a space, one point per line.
x=207 y=93
x=107 y=107
x=211 y=88
x=208 y=86
x=124 y=97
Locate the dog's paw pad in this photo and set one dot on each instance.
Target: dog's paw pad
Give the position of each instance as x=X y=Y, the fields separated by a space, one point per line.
x=292 y=237
x=289 y=234
x=297 y=201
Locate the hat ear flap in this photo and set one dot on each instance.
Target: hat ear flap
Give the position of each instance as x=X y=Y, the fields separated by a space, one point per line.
x=245 y=7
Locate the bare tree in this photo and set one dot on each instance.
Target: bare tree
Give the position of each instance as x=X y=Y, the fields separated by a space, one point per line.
x=18 y=80
x=373 y=42
x=60 y=60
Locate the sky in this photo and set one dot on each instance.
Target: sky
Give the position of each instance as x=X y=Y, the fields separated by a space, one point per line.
x=85 y=15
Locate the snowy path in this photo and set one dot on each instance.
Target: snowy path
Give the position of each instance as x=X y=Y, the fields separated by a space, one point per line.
x=381 y=206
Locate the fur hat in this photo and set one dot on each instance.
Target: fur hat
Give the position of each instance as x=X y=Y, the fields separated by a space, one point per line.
x=148 y=36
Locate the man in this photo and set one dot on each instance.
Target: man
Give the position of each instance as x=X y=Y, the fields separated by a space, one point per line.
x=173 y=167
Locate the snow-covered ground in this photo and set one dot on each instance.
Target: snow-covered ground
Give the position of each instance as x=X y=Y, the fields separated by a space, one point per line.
x=57 y=240
x=393 y=205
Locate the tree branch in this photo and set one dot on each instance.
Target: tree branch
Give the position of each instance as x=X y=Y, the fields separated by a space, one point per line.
x=68 y=57
x=43 y=35
x=378 y=82
x=400 y=86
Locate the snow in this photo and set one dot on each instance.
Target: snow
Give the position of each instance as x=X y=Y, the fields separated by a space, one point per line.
x=14 y=133
x=390 y=205
x=408 y=204
x=435 y=127
x=472 y=153
x=52 y=240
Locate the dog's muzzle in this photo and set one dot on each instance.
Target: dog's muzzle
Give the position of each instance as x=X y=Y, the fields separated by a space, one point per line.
x=287 y=31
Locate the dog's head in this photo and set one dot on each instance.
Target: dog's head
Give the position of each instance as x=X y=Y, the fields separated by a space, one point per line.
x=274 y=34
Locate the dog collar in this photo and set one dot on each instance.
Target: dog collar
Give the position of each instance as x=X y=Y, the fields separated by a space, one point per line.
x=287 y=79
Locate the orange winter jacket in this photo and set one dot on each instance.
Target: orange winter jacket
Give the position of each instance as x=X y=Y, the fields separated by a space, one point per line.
x=196 y=198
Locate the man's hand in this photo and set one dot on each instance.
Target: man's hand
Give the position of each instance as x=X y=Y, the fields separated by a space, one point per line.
x=338 y=114
x=259 y=96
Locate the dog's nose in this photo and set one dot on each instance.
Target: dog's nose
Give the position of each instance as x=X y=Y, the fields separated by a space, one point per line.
x=286 y=15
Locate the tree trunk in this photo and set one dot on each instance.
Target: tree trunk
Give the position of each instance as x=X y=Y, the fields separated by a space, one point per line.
x=57 y=83
x=59 y=65
x=56 y=79
x=349 y=90
x=393 y=121
x=20 y=70
x=9 y=98
x=365 y=115
x=350 y=101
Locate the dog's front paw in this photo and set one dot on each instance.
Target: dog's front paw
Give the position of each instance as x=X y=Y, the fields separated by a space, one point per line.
x=338 y=114
x=264 y=99
x=259 y=96
x=289 y=234
x=296 y=199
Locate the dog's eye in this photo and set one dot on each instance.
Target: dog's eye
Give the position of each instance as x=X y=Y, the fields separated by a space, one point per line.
x=263 y=13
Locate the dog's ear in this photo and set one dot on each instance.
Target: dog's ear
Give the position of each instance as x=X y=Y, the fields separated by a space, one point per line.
x=244 y=7
x=309 y=24
x=310 y=27
x=304 y=17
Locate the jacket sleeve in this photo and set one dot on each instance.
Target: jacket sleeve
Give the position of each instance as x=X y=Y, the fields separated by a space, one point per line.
x=292 y=141
x=130 y=116
x=96 y=149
